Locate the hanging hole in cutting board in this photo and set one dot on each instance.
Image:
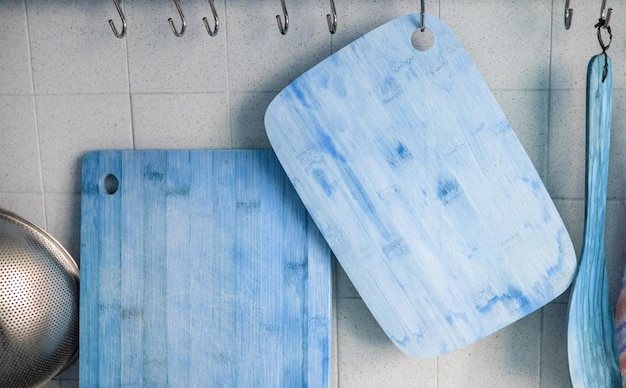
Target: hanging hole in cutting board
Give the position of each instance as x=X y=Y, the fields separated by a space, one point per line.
x=422 y=40
x=110 y=184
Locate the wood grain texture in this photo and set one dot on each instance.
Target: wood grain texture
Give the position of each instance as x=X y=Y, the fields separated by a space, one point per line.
x=620 y=328
x=591 y=341
x=420 y=186
x=203 y=269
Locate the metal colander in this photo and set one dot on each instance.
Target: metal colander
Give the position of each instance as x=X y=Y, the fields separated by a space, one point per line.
x=39 y=283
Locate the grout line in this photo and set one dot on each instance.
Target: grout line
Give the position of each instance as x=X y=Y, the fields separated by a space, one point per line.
x=546 y=173
x=541 y=339
x=547 y=147
x=35 y=112
x=437 y=374
x=546 y=163
x=228 y=90
x=130 y=96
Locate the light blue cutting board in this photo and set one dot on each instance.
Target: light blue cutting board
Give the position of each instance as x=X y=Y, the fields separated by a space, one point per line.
x=203 y=269
x=416 y=179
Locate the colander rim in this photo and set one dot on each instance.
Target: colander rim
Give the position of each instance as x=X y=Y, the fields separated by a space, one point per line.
x=39 y=232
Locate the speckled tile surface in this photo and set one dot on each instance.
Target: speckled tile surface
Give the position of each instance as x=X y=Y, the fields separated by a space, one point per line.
x=161 y=62
x=70 y=126
x=15 y=65
x=68 y=52
x=181 y=121
x=20 y=166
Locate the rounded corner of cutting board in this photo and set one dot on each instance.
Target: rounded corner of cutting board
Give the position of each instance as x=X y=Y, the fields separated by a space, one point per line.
x=89 y=156
x=284 y=137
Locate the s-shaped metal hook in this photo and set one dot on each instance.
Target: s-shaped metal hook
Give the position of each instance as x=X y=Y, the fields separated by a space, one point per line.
x=569 y=13
x=182 y=17
x=121 y=13
x=283 y=28
x=422 y=13
x=212 y=32
x=331 y=18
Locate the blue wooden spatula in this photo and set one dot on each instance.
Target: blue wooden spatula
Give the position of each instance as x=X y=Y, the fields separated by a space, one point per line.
x=420 y=186
x=592 y=347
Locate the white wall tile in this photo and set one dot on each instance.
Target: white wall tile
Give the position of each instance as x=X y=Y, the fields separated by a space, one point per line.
x=74 y=49
x=356 y=18
x=72 y=125
x=367 y=358
x=508 y=358
x=247 y=112
x=567 y=152
x=566 y=155
x=527 y=112
x=19 y=155
x=263 y=60
x=15 y=67
x=63 y=216
x=615 y=245
x=29 y=206
x=177 y=121
x=343 y=285
x=161 y=62
x=508 y=40
x=554 y=365
x=572 y=49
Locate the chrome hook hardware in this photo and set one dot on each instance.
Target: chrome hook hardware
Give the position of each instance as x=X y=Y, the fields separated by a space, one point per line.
x=121 y=13
x=569 y=13
x=422 y=12
x=283 y=28
x=331 y=18
x=182 y=17
x=212 y=32
x=605 y=17
x=603 y=22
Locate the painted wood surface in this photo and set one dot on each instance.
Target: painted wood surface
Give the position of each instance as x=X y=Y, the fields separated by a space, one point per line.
x=420 y=186
x=591 y=342
x=620 y=328
x=203 y=269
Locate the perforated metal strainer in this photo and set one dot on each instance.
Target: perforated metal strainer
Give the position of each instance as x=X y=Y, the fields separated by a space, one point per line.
x=39 y=283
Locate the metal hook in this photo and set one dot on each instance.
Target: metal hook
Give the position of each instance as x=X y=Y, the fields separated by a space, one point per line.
x=212 y=32
x=605 y=16
x=569 y=13
x=281 y=28
x=422 y=12
x=332 y=19
x=121 y=13
x=182 y=17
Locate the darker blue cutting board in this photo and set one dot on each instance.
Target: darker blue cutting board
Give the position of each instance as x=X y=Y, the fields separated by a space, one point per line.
x=202 y=269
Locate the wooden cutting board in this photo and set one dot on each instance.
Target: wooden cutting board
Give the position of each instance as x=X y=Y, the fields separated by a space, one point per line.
x=420 y=186
x=202 y=269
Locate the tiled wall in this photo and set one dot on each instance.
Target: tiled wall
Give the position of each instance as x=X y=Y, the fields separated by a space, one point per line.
x=67 y=85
